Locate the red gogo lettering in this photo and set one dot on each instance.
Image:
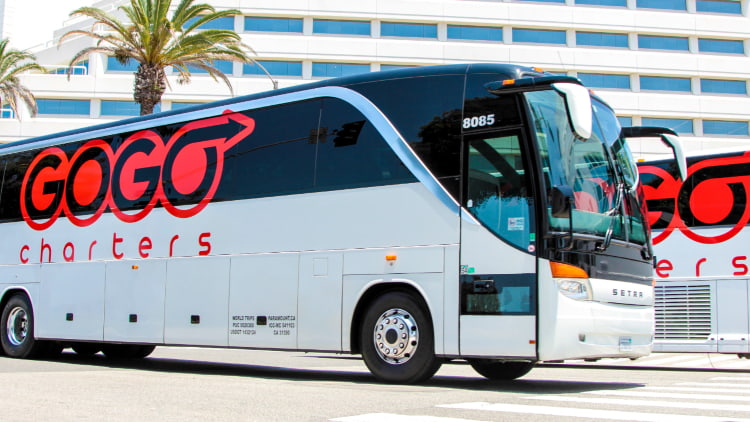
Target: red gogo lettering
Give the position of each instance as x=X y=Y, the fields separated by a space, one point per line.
x=664 y=267
x=716 y=192
x=144 y=171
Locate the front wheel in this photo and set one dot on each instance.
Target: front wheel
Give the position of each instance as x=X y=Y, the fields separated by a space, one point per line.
x=17 y=324
x=501 y=370
x=397 y=341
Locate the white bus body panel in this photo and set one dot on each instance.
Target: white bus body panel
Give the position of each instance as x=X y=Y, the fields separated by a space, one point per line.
x=71 y=301
x=705 y=293
x=264 y=286
x=320 y=287
x=732 y=320
x=135 y=288
x=197 y=287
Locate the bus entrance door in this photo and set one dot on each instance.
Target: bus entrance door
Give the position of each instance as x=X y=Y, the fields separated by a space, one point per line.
x=498 y=245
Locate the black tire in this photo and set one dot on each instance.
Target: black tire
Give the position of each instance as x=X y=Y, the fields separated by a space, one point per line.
x=500 y=370
x=127 y=351
x=86 y=349
x=393 y=316
x=17 y=330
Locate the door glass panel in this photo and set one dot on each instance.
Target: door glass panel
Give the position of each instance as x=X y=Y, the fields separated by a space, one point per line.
x=498 y=192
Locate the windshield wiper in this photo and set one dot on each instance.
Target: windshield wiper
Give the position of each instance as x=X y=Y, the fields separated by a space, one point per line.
x=613 y=213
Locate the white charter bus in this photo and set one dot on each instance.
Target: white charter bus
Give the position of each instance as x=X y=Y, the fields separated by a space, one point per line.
x=481 y=212
x=701 y=238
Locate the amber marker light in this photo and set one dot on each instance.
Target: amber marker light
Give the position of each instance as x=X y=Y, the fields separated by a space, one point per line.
x=391 y=257
x=508 y=82
x=560 y=270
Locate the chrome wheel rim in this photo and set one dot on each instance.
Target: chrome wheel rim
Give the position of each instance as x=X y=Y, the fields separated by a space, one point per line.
x=396 y=336
x=17 y=327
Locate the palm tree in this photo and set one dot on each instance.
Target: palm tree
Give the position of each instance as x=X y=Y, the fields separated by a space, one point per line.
x=12 y=63
x=158 y=42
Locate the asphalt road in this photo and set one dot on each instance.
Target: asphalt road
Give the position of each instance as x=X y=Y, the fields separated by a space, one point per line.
x=178 y=384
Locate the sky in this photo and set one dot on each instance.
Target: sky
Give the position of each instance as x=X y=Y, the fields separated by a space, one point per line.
x=27 y=26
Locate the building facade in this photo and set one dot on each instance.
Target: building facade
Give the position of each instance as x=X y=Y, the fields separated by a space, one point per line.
x=676 y=63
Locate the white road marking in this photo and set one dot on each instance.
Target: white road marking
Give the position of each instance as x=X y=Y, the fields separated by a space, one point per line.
x=390 y=417
x=654 y=394
x=646 y=403
x=588 y=413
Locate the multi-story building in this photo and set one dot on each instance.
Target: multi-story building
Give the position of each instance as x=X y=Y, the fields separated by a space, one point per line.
x=676 y=63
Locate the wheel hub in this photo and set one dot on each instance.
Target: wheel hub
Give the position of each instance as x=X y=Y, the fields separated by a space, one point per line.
x=396 y=336
x=17 y=326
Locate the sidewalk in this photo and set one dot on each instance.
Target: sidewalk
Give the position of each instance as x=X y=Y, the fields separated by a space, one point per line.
x=676 y=360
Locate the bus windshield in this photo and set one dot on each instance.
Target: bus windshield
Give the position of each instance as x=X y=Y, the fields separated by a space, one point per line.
x=599 y=170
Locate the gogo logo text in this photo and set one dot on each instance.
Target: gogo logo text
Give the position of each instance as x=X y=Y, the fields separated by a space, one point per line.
x=143 y=171
x=715 y=193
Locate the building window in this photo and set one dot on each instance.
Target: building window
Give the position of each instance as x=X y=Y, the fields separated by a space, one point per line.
x=64 y=107
x=321 y=26
x=599 y=80
x=601 y=39
x=113 y=65
x=625 y=121
x=617 y=3
x=721 y=46
x=180 y=105
x=663 y=43
x=123 y=108
x=545 y=1
x=662 y=4
x=540 y=36
x=684 y=126
x=82 y=68
x=332 y=70
x=477 y=33
x=220 y=23
x=718 y=127
x=719 y=6
x=224 y=66
x=395 y=66
x=719 y=86
x=273 y=24
x=276 y=68
x=6 y=112
x=659 y=83
x=412 y=30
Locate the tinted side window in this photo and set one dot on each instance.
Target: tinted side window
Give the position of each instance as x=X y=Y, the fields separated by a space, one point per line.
x=352 y=153
x=427 y=113
x=2 y=182
x=14 y=168
x=278 y=158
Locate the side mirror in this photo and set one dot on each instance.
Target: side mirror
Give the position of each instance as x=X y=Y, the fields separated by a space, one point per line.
x=673 y=141
x=561 y=198
x=578 y=104
x=667 y=136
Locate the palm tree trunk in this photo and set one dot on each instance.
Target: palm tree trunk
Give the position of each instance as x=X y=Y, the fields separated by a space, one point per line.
x=150 y=84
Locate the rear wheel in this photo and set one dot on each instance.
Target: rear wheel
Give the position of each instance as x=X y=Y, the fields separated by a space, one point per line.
x=17 y=325
x=127 y=351
x=397 y=341
x=501 y=370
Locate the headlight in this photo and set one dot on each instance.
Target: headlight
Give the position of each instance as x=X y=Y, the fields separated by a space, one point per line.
x=578 y=289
